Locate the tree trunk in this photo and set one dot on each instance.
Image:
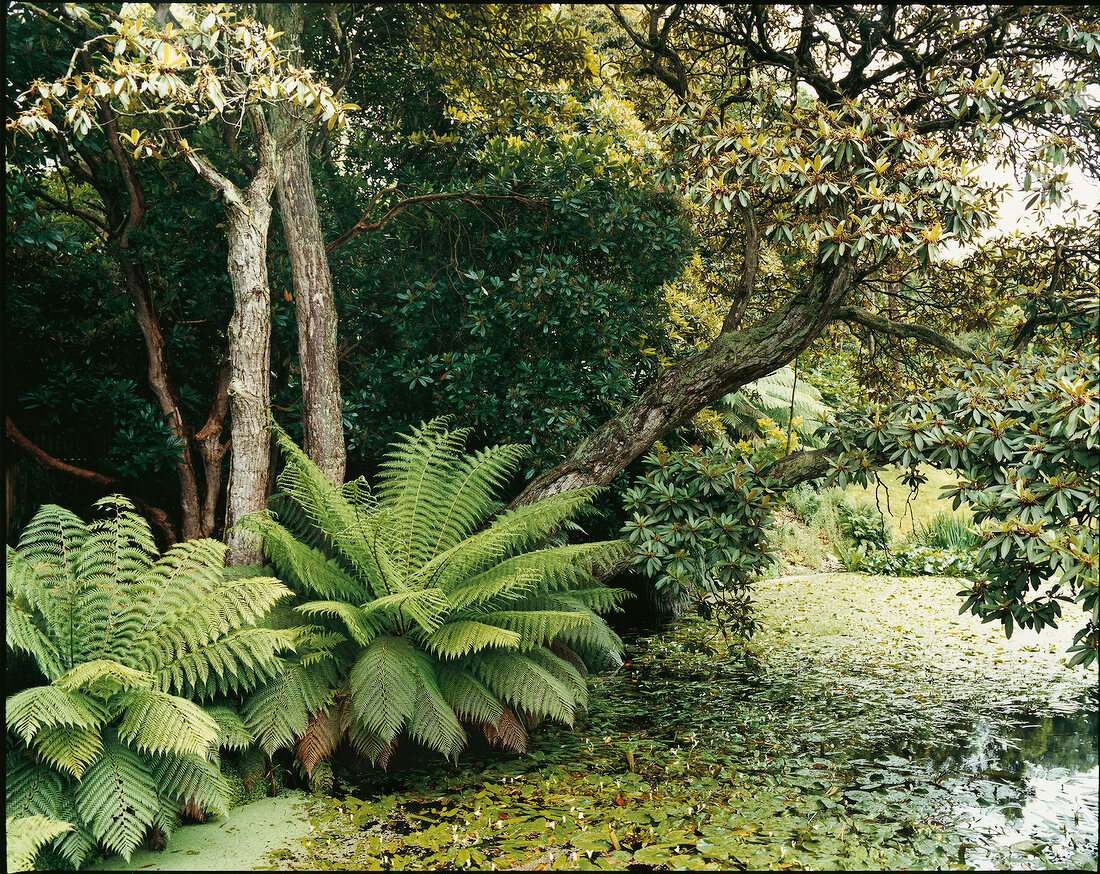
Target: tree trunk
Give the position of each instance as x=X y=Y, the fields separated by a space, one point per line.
x=137 y=283
x=731 y=361
x=315 y=307
x=249 y=362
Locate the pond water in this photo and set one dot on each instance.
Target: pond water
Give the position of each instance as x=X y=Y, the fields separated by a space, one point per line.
x=868 y=726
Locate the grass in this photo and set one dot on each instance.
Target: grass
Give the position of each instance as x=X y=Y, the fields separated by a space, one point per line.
x=894 y=498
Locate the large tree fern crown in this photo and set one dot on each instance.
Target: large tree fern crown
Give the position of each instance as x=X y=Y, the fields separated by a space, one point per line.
x=434 y=610
x=127 y=640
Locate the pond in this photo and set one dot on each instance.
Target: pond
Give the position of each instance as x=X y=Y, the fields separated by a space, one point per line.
x=868 y=726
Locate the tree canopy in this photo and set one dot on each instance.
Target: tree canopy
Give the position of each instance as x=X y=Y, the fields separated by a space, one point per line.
x=579 y=227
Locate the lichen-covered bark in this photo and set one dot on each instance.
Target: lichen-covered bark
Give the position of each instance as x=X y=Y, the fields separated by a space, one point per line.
x=313 y=299
x=249 y=363
x=732 y=360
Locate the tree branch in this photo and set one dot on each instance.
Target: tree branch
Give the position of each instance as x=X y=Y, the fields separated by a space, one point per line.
x=402 y=205
x=903 y=329
x=156 y=514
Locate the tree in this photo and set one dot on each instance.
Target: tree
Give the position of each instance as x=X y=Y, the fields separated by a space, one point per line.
x=837 y=136
x=171 y=81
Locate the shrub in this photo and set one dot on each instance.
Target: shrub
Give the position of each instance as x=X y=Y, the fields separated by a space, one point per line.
x=434 y=611
x=862 y=523
x=915 y=561
x=699 y=529
x=113 y=742
x=950 y=531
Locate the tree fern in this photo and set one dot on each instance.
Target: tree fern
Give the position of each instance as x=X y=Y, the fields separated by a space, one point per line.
x=778 y=396
x=443 y=613
x=125 y=639
x=26 y=835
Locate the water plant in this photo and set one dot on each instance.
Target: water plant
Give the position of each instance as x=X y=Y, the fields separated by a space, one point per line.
x=127 y=640
x=433 y=610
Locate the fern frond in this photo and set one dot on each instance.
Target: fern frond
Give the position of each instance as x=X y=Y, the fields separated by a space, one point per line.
x=345 y=524
x=433 y=722
x=426 y=607
x=118 y=549
x=233 y=603
x=383 y=686
x=175 y=582
x=511 y=532
x=468 y=696
x=39 y=707
x=527 y=684
x=535 y=627
x=308 y=569
x=369 y=745
x=117 y=798
x=362 y=626
x=68 y=748
x=278 y=714
x=156 y=722
x=190 y=778
x=564 y=670
x=103 y=678
x=53 y=539
x=411 y=484
x=320 y=738
x=462 y=637
x=26 y=835
x=509 y=580
x=466 y=496
x=507 y=732
x=23 y=633
x=243 y=660
x=233 y=734
x=35 y=789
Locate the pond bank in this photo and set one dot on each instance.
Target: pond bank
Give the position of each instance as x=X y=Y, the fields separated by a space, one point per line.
x=870 y=726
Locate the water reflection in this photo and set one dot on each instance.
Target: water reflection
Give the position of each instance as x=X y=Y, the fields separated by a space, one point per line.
x=1025 y=786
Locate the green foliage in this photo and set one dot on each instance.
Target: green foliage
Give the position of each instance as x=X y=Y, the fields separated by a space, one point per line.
x=946 y=531
x=863 y=524
x=780 y=397
x=125 y=639
x=26 y=835
x=698 y=524
x=433 y=610
x=1023 y=432
x=525 y=312
x=918 y=560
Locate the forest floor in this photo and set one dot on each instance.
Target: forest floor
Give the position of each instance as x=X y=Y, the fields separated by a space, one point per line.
x=844 y=737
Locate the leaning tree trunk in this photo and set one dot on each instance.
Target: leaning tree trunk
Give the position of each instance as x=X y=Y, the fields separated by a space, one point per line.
x=315 y=306
x=732 y=360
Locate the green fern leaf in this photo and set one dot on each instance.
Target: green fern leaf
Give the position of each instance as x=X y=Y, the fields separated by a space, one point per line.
x=362 y=627
x=426 y=607
x=156 y=722
x=26 y=835
x=117 y=798
x=189 y=778
x=34 y=789
x=527 y=685
x=468 y=696
x=103 y=678
x=68 y=748
x=233 y=734
x=462 y=637
x=40 y=707
x=24 y=634
x=433 y=722
x=278 y=714
x=383 y=685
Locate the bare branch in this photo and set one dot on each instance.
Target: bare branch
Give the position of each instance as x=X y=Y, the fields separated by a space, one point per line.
x=159 y=517
x=402 y=205
x=903 y=329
